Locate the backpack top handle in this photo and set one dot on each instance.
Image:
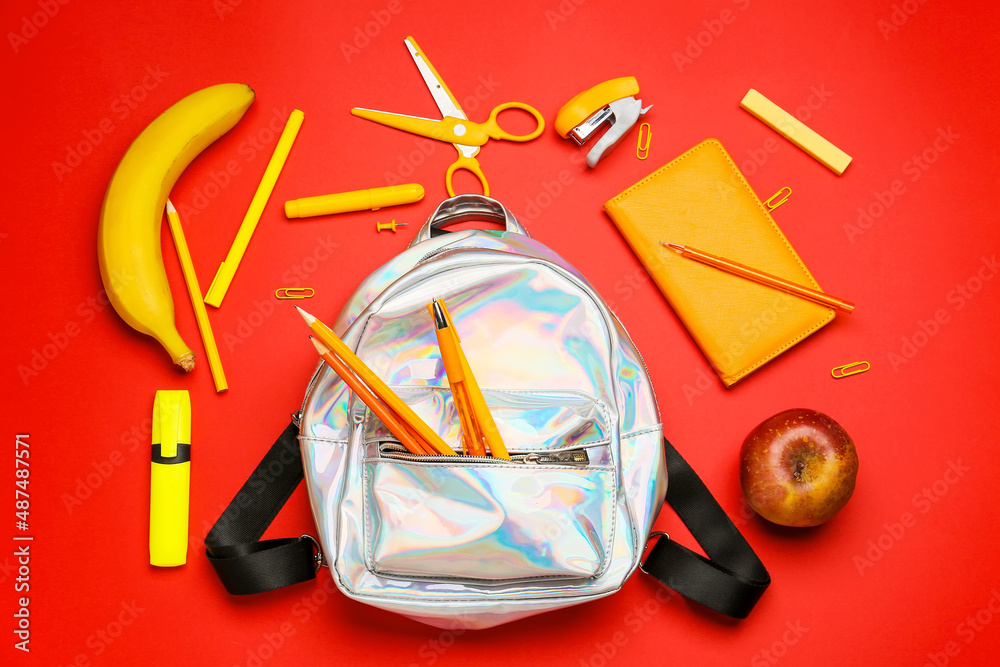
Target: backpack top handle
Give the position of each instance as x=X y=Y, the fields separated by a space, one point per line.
x=468 y=207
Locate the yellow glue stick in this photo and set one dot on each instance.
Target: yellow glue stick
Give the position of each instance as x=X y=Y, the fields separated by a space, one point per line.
x=170 y=480
x=356 y=200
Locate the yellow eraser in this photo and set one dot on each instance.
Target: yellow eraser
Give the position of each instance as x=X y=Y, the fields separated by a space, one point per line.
x=792 y=129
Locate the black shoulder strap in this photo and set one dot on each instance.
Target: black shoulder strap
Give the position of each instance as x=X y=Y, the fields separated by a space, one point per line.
x=731 y=582
x=732 y=578
x=243 y=562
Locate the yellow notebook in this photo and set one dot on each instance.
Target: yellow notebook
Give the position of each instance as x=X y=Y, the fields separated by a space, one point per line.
x=701 y=199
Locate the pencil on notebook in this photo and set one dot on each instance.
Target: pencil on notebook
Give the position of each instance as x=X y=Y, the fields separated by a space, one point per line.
x=760 y=277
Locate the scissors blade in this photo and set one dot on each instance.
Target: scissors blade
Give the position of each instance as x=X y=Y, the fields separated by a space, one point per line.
x=445 y=101
x=451 y=130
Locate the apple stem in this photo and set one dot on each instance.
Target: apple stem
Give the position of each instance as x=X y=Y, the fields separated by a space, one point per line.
x=799 y=467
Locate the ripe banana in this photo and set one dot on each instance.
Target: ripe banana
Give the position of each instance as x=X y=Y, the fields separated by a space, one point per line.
x=128 y=249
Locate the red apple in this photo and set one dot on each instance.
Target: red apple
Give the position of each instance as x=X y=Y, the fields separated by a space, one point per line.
x=798 y=468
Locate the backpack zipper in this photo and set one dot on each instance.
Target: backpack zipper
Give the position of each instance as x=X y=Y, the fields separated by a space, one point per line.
x=578 y=457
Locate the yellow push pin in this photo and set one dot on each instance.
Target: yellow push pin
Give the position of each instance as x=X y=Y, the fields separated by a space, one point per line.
x=380 y=226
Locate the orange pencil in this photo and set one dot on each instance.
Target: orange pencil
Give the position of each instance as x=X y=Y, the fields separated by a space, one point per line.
x=381 y=411
x=759 y=277
x=403 y=411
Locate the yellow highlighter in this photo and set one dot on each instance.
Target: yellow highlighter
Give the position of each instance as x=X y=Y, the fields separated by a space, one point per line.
x=170 y=480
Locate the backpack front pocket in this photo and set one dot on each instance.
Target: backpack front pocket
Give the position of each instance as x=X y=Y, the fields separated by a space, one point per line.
x=488 y=521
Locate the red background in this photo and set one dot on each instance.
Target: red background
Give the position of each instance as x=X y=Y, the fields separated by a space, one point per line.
x=885 y=81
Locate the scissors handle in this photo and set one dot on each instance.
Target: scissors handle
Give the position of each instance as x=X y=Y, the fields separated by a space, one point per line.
x=494 y=131
x=468 y=164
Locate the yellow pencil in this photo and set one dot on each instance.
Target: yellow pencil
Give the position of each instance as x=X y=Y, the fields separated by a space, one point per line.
x=194 y=291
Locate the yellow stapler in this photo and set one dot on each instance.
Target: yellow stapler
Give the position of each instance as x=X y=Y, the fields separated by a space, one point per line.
x=611 y=102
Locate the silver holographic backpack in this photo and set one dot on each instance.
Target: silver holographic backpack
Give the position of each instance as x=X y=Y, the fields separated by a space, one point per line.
x=475 y=542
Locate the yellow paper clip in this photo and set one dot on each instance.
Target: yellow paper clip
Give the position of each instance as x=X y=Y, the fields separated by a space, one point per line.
x=781 y=196
x=642 y=147
x=294 y=292
x=850 y=369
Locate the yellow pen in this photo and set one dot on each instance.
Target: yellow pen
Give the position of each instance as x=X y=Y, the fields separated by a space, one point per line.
x=170 y=478
x=485 y=428
x=355 y=200
x=484 y=418
x=227 y=271
x=472 y=443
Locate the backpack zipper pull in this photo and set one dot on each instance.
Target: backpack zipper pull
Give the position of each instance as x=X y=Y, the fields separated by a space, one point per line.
x=575 y=457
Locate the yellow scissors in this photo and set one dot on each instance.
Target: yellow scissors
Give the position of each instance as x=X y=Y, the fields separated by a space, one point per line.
x=455 y=127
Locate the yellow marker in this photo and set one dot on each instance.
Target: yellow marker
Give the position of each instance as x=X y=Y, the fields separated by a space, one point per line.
x=170 y=481
x=356 y=200
x=194 y=291
x=223 y=278
x=790 y=128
